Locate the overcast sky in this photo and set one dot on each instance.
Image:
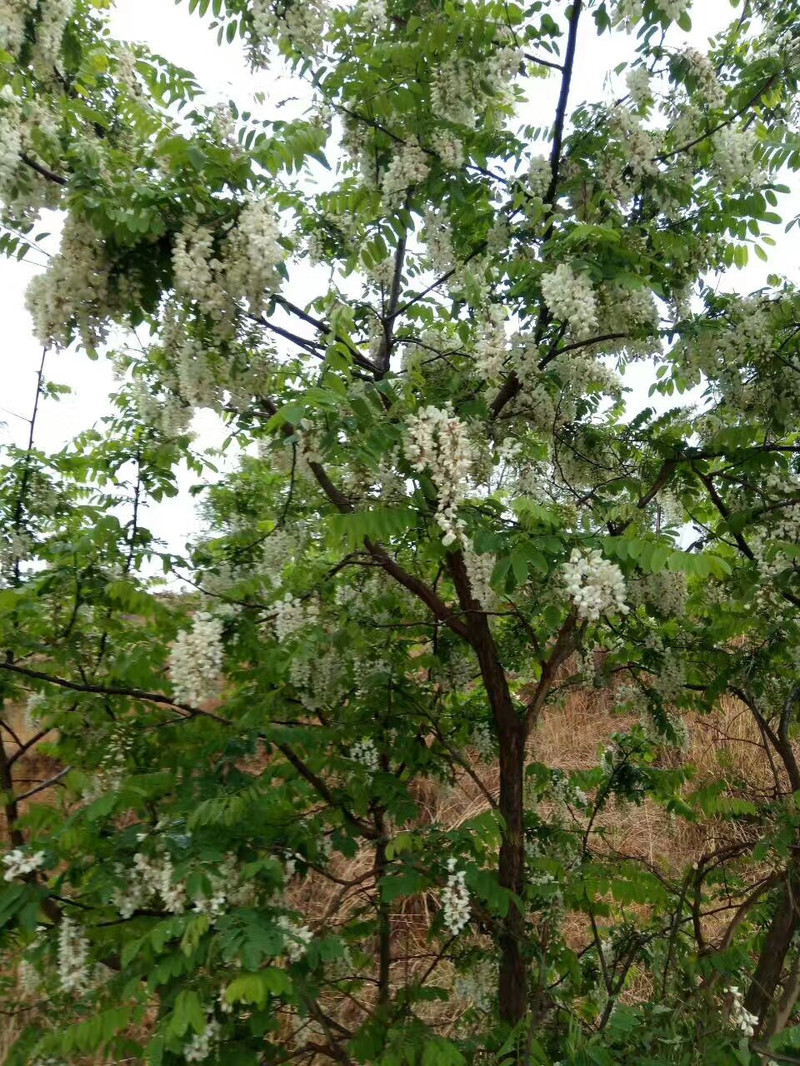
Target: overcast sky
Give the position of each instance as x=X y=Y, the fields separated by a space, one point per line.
x=185 y=40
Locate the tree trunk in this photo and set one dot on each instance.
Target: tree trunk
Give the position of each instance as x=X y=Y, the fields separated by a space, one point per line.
x=511 y=732
x=513 y=992
x=776 y=944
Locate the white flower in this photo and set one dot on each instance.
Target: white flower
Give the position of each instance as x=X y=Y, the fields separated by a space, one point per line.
x=195 y=660
x=439 y=240
x=50 y=31
x=455 y=900
x=252 y=254
x=73 y=954
x=13 y=16
x=300 y=24
x=734 y=157
x=673 y=9
x=492 y=347
x=365 y=752
x=200 y=1046
x=638 y=82
x=10 y=141
x=594 y=585
x=75 y=287
x=569 y=297
x=478 y=987
x=449 y=149
x=482 y=741
x=296 y=938
x=409 y=166
x=479 y=573
x=293 y=615
x=741 y=1018
x=18 y=864
x=150 y=879
x=708 y=84
x=437 y=441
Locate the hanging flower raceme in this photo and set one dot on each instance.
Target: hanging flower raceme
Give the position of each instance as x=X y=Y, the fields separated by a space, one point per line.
x=195 y=660
x=455 y=900
x=594 y=585
x=437 y=441
x=243 y=267
x=73 y=954
x=569 y=297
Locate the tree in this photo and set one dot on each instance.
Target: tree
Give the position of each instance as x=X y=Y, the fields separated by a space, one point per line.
x=448 y=514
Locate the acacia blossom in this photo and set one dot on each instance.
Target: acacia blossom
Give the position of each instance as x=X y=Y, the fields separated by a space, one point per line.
x=195 y=660
x=595 y=585
x=73 y=954
x=18 y=863
x=455 y=900
x=569 y=297
x=437 y=441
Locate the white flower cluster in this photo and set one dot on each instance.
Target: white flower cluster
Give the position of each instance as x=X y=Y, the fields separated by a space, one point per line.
x=639 y=144
x=111 y=771
x=296 y=938
x=492 y=347
x=75 y=287
x=150 y=878
x=637 y=81
x=195 y=660
x=73 y=954
x=741 y=1018
x=409 y=166
x=540 y=174
x=455 y=900
x=734 y=157
x=227 y=889
x=463 y=90
x=28 y=978
x=300 y=24
x=437 y=441
x=570 y=297
x=371 y=13
x=171 y=415
x=626 y=11
x=18 y=864
x=13 y=16
x=479 y=572
x=439 y=240
x=449 y=149
x=365 y=752
x=252 y=254
x=293 y=615
x=675 y=734
x=478 y=987
x=666 y=591
x=197 y=272
x=708 y=86
x=595 y=585
x=50 y=32
x=673 y=9
x=482 y=740
x=10 y=138
x=201 y=1045
x=244 y=270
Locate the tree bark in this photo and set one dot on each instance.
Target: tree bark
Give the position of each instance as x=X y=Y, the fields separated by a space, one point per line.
x=776 y=945
x=513 y=990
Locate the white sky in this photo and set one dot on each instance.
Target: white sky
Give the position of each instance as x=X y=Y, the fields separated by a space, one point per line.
x=185 y=40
